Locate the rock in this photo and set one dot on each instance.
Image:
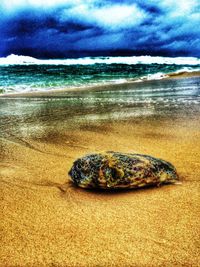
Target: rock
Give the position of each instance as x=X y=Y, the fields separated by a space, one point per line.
x=112 y=170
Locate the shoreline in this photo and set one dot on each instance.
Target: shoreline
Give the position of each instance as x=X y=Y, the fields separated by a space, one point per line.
x=175 y=75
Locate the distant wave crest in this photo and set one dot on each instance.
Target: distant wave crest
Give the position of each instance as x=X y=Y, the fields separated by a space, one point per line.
x=26 y=60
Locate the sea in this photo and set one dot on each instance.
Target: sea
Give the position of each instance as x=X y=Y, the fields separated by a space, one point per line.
x=120 y=88
x=19 y=74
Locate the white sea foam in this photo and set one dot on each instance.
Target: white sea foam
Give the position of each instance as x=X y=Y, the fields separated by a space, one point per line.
x=25 y=60
x=156 y=76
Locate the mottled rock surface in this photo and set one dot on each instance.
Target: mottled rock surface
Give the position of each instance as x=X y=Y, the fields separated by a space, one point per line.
x=112 y=170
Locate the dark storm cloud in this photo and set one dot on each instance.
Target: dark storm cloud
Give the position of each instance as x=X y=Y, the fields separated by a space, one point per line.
x=87 y=28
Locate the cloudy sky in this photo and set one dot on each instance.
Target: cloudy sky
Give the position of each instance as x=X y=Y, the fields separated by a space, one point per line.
x=77 y=28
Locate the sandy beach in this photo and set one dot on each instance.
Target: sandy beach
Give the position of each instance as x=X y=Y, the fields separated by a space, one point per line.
x=47 y=221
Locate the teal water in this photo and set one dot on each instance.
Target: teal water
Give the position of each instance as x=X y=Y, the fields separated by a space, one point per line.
x=42 y=77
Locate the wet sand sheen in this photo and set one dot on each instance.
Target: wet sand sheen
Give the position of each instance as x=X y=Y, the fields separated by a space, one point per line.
x=47 y=224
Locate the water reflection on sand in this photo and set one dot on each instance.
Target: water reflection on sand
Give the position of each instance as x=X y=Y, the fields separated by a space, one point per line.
x=35 y=116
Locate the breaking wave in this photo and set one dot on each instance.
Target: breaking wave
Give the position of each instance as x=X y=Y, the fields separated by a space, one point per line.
x=26 y=60
x=25 y=74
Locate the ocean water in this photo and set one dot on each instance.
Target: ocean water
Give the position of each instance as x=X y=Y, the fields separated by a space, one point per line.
x=24 y=74
x=35 y=115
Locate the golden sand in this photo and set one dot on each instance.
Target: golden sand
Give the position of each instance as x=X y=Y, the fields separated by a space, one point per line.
x=46 y=224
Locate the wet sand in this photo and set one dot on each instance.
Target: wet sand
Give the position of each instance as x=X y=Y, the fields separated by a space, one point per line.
x=46 y=221
x=184 y=74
